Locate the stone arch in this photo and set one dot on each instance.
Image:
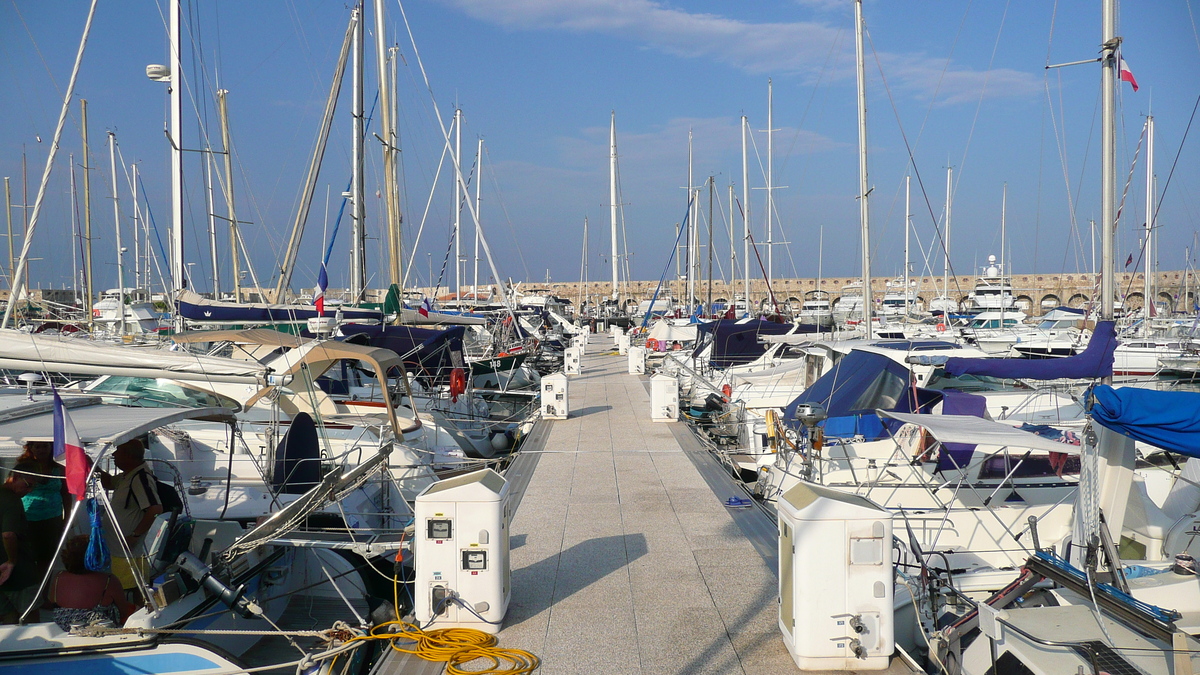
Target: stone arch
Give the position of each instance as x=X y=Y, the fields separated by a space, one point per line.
x=1024 y=303
x=1050 y=301
x=1167 y=300
x=792 y=298
x=1078 y=300
x=1134 y=301
x=721 y=300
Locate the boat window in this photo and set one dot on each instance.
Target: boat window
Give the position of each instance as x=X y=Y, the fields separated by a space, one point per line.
x=145 y=392
x=1034 y=466
x=938 y=380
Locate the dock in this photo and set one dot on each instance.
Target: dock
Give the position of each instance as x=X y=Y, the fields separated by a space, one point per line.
x=624 y=557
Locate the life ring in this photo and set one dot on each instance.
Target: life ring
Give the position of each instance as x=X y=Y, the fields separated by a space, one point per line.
x=941 y=327
x=652 y=344
x=458 y=383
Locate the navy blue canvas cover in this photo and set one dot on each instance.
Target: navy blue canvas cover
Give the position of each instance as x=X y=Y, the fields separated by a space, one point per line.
x=735 y=343
x=1165 y=419
x=427 y=353
x=1094 y=362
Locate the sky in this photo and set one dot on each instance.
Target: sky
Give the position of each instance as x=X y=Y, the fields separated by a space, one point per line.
x=958 y=84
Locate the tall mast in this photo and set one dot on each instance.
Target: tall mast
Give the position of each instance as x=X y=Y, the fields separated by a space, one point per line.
x=946 y=240
x=1108 y=156
x=478 y=187
x=691 y=232
x=235 y=267
x=385 y=128
x=732 y=249
x=112 y=158
x=88 y=291
x=1148 y=277
x=458 y=197
x=745 y=216
x=178 y=281
x=358 y=266
x=770 y=180
x=1003 y=223
x=863 y=191
x=74 y=228
x=612 y=199
x=137 y=227
x=583 y=268
x=907 y=235
x=12 y=256
x=708 y=308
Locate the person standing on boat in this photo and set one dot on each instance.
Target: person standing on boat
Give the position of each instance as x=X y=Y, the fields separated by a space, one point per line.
x=135 y=503
x=18 y=571
x=46 y=504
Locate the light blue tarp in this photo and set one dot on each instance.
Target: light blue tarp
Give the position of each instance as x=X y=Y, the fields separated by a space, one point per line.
x=1165 y=419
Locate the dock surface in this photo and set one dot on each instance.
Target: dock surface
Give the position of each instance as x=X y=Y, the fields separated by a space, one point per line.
x=624 y=558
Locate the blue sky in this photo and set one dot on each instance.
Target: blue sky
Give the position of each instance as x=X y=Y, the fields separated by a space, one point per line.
x=537 y=80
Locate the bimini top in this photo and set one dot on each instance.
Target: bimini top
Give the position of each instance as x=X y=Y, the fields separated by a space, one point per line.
x=1165 y=419
x=1094 y=362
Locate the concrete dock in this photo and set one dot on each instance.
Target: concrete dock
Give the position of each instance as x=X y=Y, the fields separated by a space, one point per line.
x=624 y=557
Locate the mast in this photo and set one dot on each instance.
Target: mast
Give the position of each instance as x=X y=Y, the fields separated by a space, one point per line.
x=770 y=180
x=1108 y=156
x=907 y=235
x=710 y=244
x=212 y=226
x=74 y=228
x=235 y=267
x=458 y=196
x=691 y=233
x=745 y=217
x=1003 y=272
x=88 y=292
x=732 y=249
x=178 y=281
x=358 y=267
x=612 y=199
x=1148 y=277
x=389 y=165
x=863 y=191
x=583 y=268
x=946 y=243
x=112 y=158
x=478 y=187
x=137 y=225
x=12 y=256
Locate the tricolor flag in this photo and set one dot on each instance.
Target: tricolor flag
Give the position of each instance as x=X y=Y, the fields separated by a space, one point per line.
x=1125 y=73
x=426 y=307
x=67 y=445
x=319 y=291
x=1129 y=260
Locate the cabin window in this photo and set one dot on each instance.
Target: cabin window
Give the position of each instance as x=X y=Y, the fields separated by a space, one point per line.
x=145 y=392
x=1035 y=466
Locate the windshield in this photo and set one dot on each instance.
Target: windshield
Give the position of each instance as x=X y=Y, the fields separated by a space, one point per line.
x=148 y=392
x=938 y=380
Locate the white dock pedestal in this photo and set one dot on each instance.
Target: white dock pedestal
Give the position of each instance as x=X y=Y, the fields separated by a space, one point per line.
x=664 y=398
x=556 y=402
x=637 y=360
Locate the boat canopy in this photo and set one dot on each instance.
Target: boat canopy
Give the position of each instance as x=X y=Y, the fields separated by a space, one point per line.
x=1165 y=419
x=1094 y=362
x=735 y=342
x=978 y=431
x=98 y=423
x=57 y=354
x=194 y=307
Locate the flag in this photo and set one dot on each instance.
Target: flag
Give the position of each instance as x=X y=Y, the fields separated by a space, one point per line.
x=67 y=445
x=1129 y=260
x=319 y=291
x=426 y=307
x=1125 y=73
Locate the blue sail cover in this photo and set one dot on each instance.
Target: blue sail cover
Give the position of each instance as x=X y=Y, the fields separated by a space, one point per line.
x=1094 y=362
x=735 y=343
x=1165 y=419
x=428 y=353
x=196 y=308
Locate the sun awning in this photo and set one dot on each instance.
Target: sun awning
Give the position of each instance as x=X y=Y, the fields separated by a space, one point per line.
x=978 y=431
x=100 y=424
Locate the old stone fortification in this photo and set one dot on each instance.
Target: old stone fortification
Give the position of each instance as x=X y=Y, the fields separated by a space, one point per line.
x=1033 y=291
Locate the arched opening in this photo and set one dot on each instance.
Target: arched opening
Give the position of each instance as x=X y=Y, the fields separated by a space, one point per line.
x=1166 y=302
x=1078 y=300
x=1050 y=301
x=1024 y=303
x=1134 y=301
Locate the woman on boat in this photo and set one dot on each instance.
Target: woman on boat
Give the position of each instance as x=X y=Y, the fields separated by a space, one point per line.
x=83 y=597
x=46 y=504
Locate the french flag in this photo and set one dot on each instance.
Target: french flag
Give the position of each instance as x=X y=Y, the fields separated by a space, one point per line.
x=1125 y=73
x=426 y=307
x=319 y=293
x=67 y=445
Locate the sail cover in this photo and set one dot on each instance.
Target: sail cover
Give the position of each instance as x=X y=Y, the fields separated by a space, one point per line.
x=78 y=356
x=736 y=342
x=1094 y=362
x=194 y=307
x=1165 y=419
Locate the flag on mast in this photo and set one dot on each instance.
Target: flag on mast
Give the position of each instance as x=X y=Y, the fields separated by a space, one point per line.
x=67 y=445
x=1125 y=73
x=426 y=307
x=319 y=291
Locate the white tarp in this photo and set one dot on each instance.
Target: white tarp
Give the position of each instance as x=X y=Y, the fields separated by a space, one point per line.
x=968 y=429
x=81 y=356
x=663 y=330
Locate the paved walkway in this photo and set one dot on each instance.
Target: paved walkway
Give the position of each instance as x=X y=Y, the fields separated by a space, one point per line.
x=624 y=560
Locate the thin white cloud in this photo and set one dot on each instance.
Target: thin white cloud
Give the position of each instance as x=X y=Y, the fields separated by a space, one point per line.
x=798 y=48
